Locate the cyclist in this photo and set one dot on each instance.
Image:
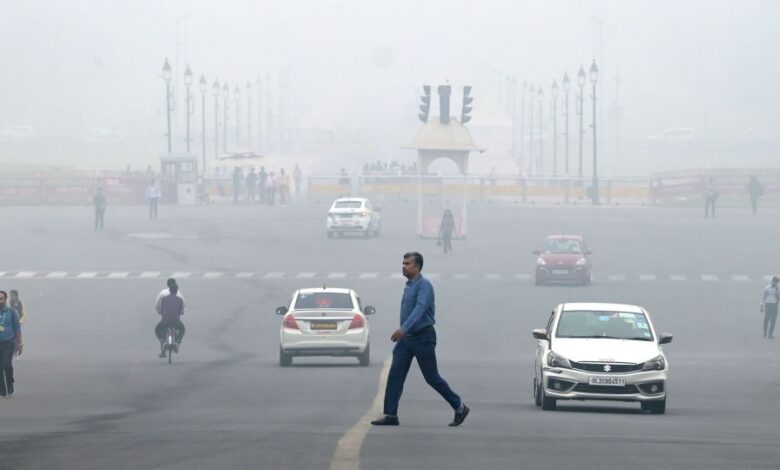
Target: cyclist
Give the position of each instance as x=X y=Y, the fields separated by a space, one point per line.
x=170 y=308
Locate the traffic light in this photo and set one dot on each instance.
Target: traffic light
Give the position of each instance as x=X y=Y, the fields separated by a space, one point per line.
x=467 y=99
x=425 y=105
x=444 y=104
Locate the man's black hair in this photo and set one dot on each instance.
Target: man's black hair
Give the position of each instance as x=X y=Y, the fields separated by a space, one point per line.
x=171 y=282
x=417 y=257
x=5 y=294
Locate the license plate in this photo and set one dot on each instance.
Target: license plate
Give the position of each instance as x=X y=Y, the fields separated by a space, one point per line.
x=560 y=272
x=608 y=381
x=323 y=325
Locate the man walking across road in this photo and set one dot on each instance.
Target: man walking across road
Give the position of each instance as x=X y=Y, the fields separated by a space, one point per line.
x=416 y=339
x=769 y=301
x=153 y=194
x=10 y=343
x=711 y=194
x=99 y=200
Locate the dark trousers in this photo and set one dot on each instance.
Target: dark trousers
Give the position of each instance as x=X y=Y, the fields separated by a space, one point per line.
x=754 y=204
x=446 y=242
x=271 y=194
x=153 y=202
x=423 y=348
x=709 y=205
x=250 y=193
x=161 y=328
x=770 y=319
x=99 y=212
x=261 y=192
x=7 y=349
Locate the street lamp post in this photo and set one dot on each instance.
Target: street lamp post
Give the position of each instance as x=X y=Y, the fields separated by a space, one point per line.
x=237 y=94
x=540 y=94
x=554 y=94
x=581 y=85
x=188 y=85
x=249 y=114
x=259 y=91
x=513 y=112
x=594 y=77
x=522 y=122
x=532 y=94
x=566 y=87
x=225 y=98
x=167 y=77
x=203 y=87
x=215 y=91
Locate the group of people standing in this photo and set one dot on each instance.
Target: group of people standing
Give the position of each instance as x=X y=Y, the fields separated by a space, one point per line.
x=12 y=316
x=264 y=186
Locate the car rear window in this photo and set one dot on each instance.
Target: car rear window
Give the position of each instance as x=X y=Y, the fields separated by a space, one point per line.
x=595 y=324
x=320 y=300
x=348 y=205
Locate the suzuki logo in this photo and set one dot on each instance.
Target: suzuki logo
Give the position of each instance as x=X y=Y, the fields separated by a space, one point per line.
x=607 y=368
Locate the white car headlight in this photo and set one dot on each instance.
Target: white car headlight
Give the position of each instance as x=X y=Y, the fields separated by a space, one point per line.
x=581 y=261
x=555 y=360
x=540 y=261
x=656 y=363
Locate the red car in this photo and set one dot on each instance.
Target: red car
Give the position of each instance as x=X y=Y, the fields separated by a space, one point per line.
x=563 y=258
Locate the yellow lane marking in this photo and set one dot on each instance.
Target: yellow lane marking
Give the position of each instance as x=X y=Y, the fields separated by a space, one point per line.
x=347 y=455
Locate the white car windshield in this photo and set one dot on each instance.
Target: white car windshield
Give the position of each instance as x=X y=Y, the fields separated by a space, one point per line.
x=560 y=246
x=321 y=300
x=595 y=324
x=348 y=205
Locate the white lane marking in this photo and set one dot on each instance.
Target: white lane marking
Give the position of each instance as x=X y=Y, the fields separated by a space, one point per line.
x=56 y=275
x=678 y=277
x=87 y=275
x=2 y=273
x=368 y=275
x=337 y=275
x=245 y=275
x=433 y=275
x=647 y=277
x=396 y=276
x=616 y=277
x=523 y=277
x=25 y=274
x=709 y=277
x=493 y=277
x=768 y=277
x=305 y=275
x=461 y=277
x=181 y=274
x=740 y=278
x=276 y=275
x=149 y=275
x=118 y=275
x=213 y=275
x=347 y=454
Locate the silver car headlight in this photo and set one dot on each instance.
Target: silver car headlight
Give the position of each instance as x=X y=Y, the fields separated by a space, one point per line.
x=656 y=363
x=556 y=360
x=581 y=262
x=540 y=261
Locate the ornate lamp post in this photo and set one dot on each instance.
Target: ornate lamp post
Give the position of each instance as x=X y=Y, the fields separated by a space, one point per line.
x=554 y=94
x=188 y=85
x=581 y=85
x=167 y=77
x=215 y=91
x=594 y=78
x=566 y=87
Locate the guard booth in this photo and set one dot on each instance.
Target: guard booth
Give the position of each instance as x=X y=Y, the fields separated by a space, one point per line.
x=179 y=179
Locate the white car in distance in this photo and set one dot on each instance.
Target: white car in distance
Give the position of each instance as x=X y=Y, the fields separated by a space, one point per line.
x=355 y=215
x=324 y=321
x=600 y=351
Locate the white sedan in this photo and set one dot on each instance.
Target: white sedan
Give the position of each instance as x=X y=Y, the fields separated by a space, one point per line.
x=324 y=321
x=600 y=351
x=353 y=214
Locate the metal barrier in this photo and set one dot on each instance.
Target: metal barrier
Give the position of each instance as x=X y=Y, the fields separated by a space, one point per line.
x=71 y=187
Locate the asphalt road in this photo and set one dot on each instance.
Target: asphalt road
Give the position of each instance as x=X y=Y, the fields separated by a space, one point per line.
x=91 y=392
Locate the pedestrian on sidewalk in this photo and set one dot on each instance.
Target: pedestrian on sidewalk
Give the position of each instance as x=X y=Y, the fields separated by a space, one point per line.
x=262 y=179
x=10 y=344
x=416 y=338
x=238 y=177
x=271 y=188
x=756 y=190
x=251 y=185
x=153 y=194
x=446 y=230
x=99 y=201
x=284 y=187
x=297 y=177
x=711 y=194
x=769 y=301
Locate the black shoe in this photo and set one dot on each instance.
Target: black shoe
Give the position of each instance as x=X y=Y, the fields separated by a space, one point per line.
x=771 y=337
x=386 y=421
x=11 y=390
x=460 y=417
x=3 y=394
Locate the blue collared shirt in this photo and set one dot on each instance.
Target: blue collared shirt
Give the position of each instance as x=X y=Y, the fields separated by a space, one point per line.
x=9 y=324
x=417 y=305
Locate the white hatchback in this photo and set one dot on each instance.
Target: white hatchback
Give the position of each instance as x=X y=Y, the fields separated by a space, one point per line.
x=600 y=351
x=353 y=214
x=324 y=321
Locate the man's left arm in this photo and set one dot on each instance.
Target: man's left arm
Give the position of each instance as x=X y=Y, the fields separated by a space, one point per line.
x=18 y=329
x=424 y=300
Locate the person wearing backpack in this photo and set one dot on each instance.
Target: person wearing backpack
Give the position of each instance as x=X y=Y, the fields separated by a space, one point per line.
x=10 y=344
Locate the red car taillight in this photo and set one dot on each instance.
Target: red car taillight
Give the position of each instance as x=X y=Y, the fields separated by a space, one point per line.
x=289 y=322
x=357 y=322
